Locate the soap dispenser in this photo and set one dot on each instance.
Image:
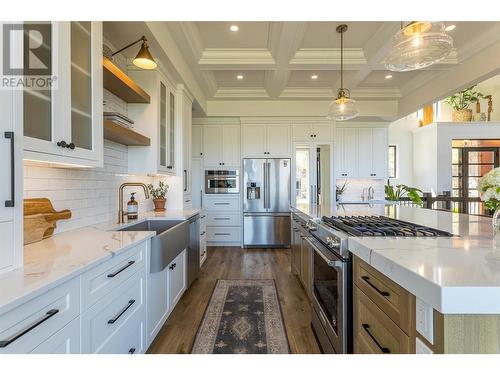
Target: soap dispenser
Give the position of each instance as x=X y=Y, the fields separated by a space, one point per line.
x=132 y=208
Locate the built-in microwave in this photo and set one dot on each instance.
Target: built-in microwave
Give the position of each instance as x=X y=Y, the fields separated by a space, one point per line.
x=222 y=181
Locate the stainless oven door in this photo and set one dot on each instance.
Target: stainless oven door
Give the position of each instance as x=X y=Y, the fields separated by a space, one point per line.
x=222 y=185
x=329 y=292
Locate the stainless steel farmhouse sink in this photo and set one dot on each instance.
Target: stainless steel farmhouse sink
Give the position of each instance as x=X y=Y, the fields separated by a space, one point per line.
x=172 y=237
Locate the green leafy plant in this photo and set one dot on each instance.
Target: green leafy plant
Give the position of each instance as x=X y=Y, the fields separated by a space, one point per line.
x=395 y=193
x=462 y=99
x=340 y=189
x=160 y=192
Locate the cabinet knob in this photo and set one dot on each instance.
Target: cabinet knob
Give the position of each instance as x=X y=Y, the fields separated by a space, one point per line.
x=62 y=144
x=201 y=153
x=71 y=146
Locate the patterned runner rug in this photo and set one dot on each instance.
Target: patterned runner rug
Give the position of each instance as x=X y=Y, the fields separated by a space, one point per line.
x=242 y=317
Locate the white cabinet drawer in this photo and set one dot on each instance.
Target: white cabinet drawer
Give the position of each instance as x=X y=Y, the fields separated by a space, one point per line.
x=223 y=219
x=101 y=280
x=129 y=339
x=203 y=221
x=66 y=341
x=104 y=318
x=187 y=202
x=222 y=204
x=27 y=326
x=223 y=234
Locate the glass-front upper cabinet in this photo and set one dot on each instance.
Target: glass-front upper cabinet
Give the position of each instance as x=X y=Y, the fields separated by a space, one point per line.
x=63 y=121
x=167 y=129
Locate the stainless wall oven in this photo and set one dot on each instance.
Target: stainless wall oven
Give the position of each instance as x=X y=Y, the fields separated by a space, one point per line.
x=222 y=181
x=332 y=299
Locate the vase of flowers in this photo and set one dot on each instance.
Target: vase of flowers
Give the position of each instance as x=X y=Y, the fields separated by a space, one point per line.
x=489 y=188
x=158 y=194
x=339 y=190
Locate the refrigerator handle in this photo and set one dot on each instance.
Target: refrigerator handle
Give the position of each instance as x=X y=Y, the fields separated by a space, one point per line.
x=268 y=168
x=265 y=183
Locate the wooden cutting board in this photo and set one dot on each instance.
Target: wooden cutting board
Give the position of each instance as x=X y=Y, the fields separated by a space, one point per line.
x=40 y=219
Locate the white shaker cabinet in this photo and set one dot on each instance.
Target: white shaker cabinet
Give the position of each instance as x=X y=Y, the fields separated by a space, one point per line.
x=312 y=132
x=260 y=141
x=197 y=142
x=221 y=146
x=11 y=178
x=63 y=123
x=361 y=152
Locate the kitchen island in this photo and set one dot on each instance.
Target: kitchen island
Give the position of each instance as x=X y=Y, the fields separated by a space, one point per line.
x=455 y=280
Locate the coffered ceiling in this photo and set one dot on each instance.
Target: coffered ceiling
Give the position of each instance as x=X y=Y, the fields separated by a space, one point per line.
x=284 y=61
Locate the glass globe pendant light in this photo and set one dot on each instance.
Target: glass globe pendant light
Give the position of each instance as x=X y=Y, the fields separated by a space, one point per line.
x=418 y=45
x=343 y=107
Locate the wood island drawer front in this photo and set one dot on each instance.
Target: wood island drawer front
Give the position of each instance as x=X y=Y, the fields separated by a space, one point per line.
x=102 y=279
x=395 y=301
x=375 y=332
x=112 y=312
x=223 y=234
x=29 y=325
x=225 y=220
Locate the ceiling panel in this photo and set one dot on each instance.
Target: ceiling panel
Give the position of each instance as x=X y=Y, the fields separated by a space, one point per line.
x=251 y=78
x=323 y=34
x=377 y=78
x=302 y=78
x=249 y=35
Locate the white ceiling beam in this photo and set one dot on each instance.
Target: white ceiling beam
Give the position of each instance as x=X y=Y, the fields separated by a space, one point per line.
x=364 y=93
x=284 y=40
x=327 y=58
x=236 y=58
x=241 y=92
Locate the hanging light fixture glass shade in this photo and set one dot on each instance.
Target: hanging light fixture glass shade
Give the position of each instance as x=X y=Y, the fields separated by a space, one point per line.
x=418 y=45
x=343 y=107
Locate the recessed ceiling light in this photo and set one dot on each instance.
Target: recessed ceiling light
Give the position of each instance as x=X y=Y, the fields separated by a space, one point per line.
x=388 y=76
x=450 y=27
x=314 y=76
x=234 y=28
x=239 y=76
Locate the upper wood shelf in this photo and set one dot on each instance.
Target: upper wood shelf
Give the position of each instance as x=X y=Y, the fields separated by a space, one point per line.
x=120 y=84
x=124 y=136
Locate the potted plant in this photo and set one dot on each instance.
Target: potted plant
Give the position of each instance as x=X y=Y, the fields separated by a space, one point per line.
x=460 y=103
x=395 y=193
x=158 y=194
x=489 y=188
x=339 y=190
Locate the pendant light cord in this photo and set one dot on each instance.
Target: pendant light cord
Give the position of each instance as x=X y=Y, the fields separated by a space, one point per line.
x=342 y=60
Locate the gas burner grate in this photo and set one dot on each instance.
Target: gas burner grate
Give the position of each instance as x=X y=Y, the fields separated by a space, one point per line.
x=380 y=226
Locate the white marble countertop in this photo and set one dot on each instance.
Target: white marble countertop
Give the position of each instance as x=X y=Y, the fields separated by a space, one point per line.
x=455 y=275
x=51 y=262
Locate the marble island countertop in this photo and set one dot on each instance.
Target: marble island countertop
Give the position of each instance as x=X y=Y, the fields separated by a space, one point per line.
x=455 y=275
x=52 y=261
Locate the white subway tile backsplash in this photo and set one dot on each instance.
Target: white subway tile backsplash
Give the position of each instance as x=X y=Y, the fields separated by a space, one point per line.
x=354 y=190
x=90 y=194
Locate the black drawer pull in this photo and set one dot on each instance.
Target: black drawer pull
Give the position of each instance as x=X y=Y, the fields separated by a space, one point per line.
x=222 y=218
x=172 y=266
x=121 y=269
x=10 y=203
x=203 y=233
x=113 y=320
x=131 y=351
x=366 y=327
x=381 y=292
x=222 y=204
x=49 y=314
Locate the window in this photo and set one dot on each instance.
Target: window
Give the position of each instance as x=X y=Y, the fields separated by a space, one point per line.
x=393 y=161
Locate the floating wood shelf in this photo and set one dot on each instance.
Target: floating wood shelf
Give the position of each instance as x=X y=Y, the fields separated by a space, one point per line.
x=120 y=84
x=128 y=137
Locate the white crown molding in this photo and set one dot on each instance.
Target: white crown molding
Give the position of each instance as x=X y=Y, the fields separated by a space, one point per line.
x=289 y=120
x=241 y=92
x=328 y=92
x=216 y=121
x=237 y=58
x=328 y=57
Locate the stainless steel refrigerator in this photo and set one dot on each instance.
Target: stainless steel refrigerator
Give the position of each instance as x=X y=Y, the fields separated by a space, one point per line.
x=266 y=208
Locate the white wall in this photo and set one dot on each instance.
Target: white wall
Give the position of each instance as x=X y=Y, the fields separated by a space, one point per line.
x=90 y=194
x=400 y=134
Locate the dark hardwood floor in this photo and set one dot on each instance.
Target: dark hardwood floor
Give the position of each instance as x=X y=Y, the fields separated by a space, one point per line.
x=178 y=333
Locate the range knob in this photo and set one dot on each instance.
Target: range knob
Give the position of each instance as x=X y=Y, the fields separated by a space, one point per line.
x=333 y=242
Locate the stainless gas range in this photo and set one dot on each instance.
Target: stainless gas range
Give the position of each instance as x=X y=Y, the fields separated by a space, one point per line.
x=332 y=271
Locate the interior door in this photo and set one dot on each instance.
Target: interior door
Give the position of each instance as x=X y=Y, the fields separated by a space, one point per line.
x=278 y=182
x=253 y=185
